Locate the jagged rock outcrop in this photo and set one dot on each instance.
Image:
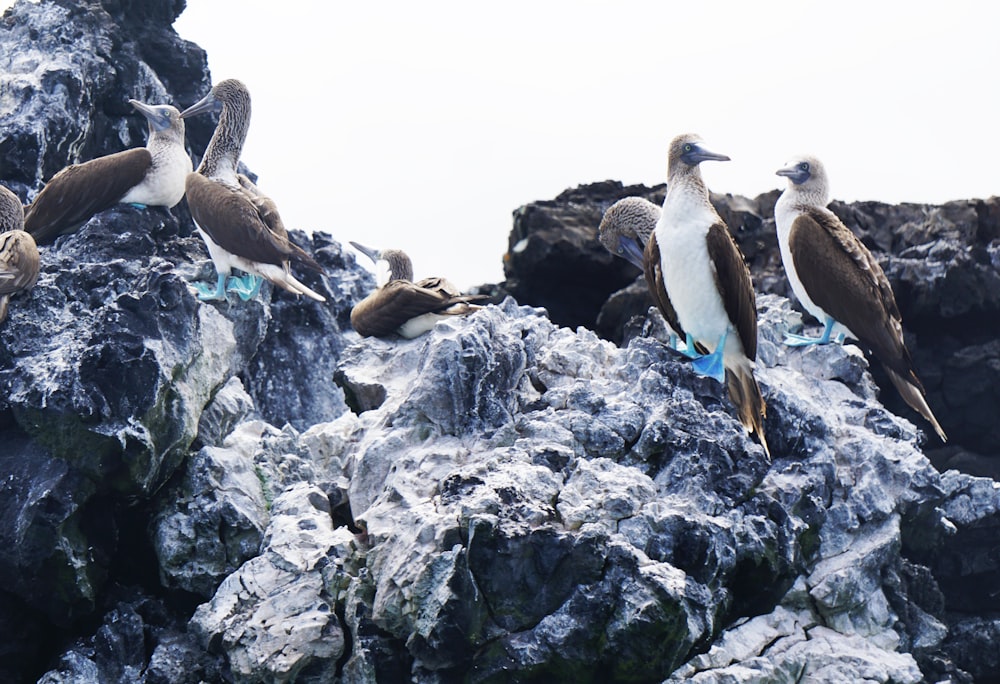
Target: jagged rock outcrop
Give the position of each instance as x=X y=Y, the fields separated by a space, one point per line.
x=249 y=492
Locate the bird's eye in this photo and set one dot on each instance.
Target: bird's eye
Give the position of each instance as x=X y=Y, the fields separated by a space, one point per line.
x=804 y=166
x=687 y=147
x=621 y=250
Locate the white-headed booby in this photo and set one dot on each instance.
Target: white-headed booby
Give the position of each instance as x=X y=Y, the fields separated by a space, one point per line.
x=144 y=176
x=399 y=305
x=699 y=279
x=838 y=280
x=240 y=225
x=19 y=264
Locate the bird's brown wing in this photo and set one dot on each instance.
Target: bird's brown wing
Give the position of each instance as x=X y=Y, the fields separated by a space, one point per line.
x=653 y=270
x=383 y=311
x=844 y=279
x=234 y=223
x=81 y=190
x=732 y=277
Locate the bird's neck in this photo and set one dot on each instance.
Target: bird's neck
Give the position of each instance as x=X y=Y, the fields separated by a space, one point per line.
x=686 y=190
x=163 y=140
x=797 y=196
x=226 y=146
x=687 y=179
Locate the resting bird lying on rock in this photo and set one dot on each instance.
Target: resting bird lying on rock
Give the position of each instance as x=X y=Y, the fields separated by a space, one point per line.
x=401 y=306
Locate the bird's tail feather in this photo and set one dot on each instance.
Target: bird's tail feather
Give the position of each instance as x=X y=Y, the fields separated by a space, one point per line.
x=913 y=395
x=745 y=395
x=290 y=283
x=300 y=256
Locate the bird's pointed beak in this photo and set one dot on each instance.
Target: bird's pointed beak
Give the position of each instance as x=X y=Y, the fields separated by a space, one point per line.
x=701 y=153
x=793 y=173
x=632 y=250
x=372 y=254
x=205 y=104
x=157 y=118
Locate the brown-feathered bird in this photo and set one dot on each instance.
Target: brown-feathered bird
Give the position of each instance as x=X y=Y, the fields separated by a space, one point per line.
x=19 y=264
x=240 y=226
x=838 y=280
x=702 y=285
x=401 y=306
x=144 y=176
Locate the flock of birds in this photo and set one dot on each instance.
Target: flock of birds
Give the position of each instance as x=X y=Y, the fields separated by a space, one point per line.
x=240 y=225
x=701 y=284
x=694 y=269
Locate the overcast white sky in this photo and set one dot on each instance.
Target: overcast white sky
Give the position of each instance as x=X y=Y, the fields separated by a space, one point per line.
x=423 y=125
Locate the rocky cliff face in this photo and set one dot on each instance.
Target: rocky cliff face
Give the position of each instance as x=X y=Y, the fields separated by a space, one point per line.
x=249 y=492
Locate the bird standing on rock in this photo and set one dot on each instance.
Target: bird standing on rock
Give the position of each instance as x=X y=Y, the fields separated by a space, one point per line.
x=399 y=305
x=239 y=224
x=699 y=279
x=144 y=176
x=838 y=281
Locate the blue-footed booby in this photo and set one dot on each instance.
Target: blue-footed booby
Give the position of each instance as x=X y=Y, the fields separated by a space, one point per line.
x=624 y=231
x=144 y=176
x=698 y=277
x=838 y=281
x=19 y=263
x=239 y=224
x=626 y=227
x=399 y=305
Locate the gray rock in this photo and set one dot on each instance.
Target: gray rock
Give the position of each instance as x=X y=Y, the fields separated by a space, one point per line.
x=228 y=407
x=215 y=519
x=274 y=618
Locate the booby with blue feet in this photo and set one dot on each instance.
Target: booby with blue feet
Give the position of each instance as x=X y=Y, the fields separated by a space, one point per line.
x=240 y=225
x=697 y=275
x=402 y=306
x=624 y=231
x=626 y=226
x=837 y=280
x=143 y=176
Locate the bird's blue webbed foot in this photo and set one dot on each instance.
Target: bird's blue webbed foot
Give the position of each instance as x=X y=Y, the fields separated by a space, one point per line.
x=688 y=350
x=793 y=340
x=207 y=293
x=138 y=205
x=247 y=287
x=710 y=365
